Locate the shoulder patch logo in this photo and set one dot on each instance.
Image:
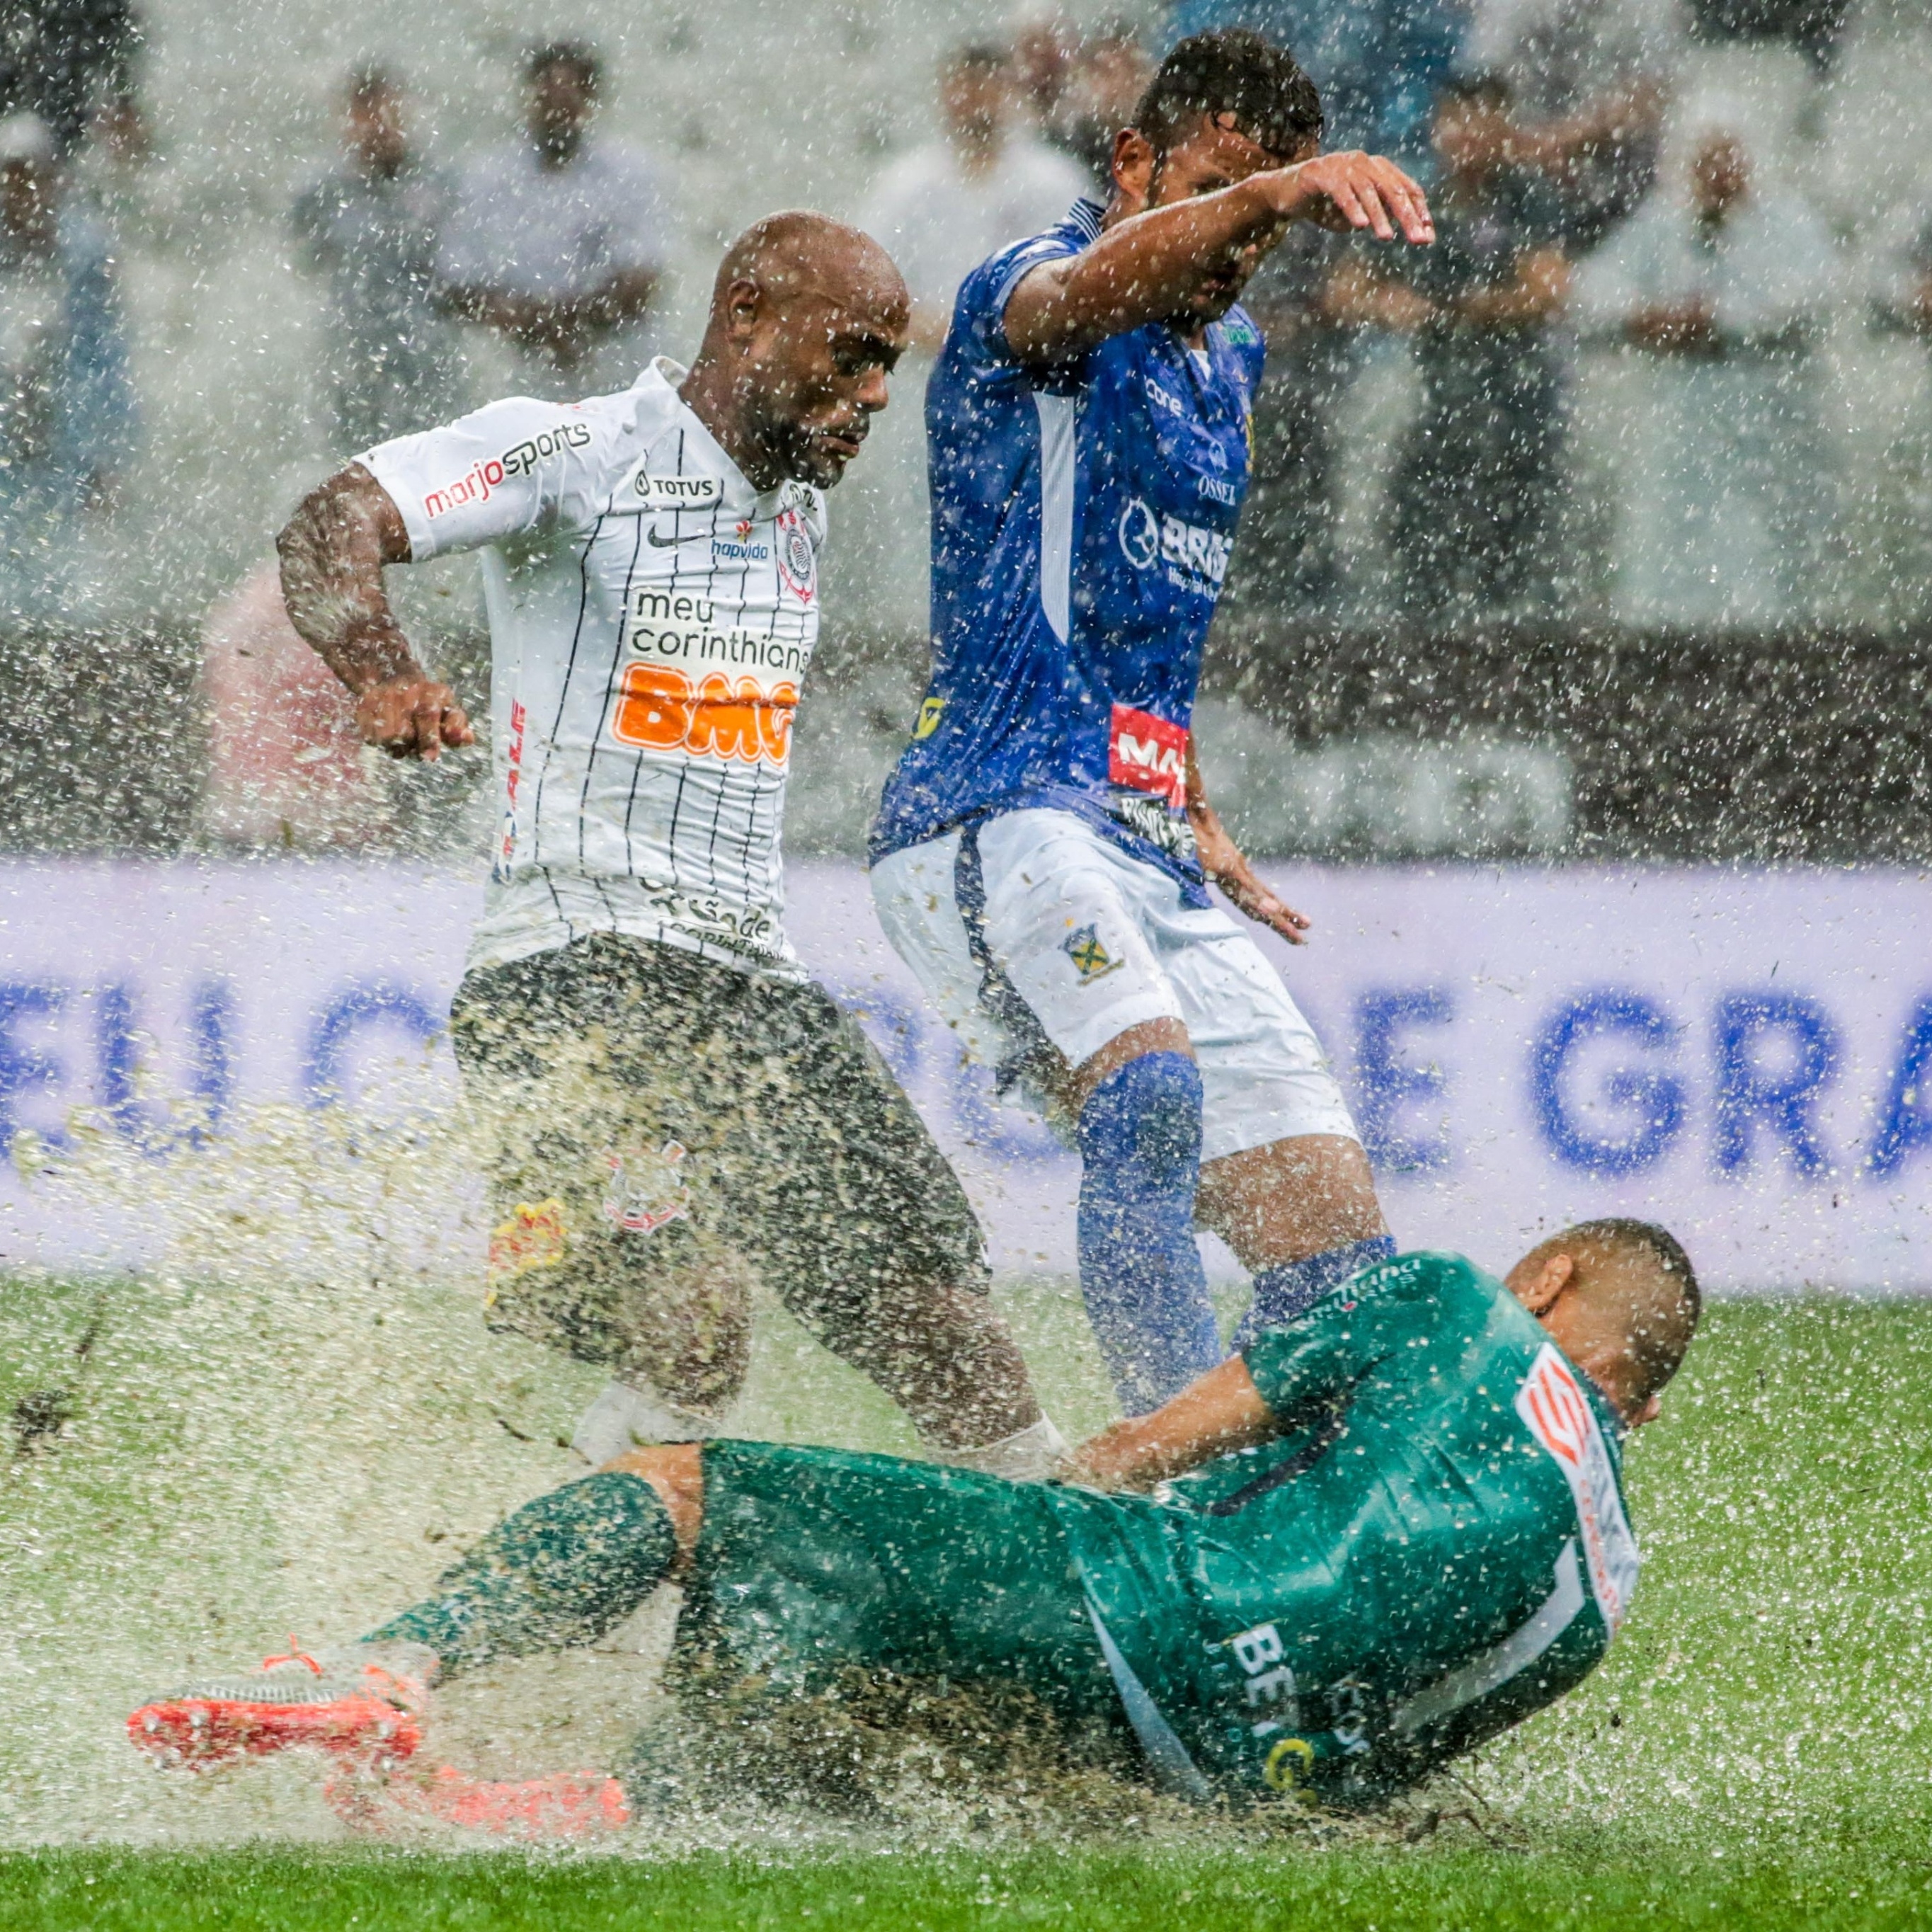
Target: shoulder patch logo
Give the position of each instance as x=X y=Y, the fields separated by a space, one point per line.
x=1091 y=960
x=1558 y=1414
x=930 y=713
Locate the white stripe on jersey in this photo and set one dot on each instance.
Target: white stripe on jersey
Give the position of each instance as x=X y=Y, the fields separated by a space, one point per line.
x=652 y=618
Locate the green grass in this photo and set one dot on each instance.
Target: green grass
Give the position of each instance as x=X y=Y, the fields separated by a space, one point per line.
x=1756 y=1751
x=1337 y=1890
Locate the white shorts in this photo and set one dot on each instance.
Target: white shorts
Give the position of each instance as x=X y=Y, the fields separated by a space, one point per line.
x=1062 y=937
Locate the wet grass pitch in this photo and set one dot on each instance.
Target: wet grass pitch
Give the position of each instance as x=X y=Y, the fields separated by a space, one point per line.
x=222 y=1466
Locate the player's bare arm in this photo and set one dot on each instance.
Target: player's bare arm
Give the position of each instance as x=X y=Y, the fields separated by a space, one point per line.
x=1220 y=1412
x=333 y=551
x=1155 y=262
x=1225 y=862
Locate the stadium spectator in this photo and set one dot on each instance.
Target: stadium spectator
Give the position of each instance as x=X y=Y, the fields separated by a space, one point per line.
x=1588 y=82
x=940 y=210
x=371 y=225
x=1476 y=482
x=67 y=414
x=59 y=58
x=943 y=209
x=1284 y=562
x=1377 y=65
x=557 y=243
x=1042 y=54
x=1724 y=287
x=1111 y=70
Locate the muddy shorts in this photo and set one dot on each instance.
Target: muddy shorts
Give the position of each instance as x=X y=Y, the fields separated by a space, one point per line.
x=651 y=1120
x=813 y=1561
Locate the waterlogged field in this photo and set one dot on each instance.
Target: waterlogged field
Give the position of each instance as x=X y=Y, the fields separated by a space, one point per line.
x=201 y=1468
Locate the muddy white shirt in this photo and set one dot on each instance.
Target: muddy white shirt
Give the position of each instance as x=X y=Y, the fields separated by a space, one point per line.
x=651 y=618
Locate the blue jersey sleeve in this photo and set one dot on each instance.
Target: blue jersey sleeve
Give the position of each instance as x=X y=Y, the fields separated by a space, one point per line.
x=980 y=312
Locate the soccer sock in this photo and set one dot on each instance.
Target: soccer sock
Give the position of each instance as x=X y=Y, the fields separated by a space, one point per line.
x=1140 y=1271
x=559 y=1572
x=1284 y=1293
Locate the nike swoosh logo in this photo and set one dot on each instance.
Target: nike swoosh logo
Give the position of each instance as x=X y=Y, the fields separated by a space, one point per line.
x=664 y=543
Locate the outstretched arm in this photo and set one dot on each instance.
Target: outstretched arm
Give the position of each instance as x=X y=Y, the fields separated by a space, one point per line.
x=333 y=549
x=1221 y=1411
x=1144 y=269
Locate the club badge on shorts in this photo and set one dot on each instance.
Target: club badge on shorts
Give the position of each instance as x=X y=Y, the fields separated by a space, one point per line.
x=1091 y=960
x=646 y=1190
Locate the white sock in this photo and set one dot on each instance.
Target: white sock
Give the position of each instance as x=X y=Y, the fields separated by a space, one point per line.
x=623 y=1418
x=1027 y=1457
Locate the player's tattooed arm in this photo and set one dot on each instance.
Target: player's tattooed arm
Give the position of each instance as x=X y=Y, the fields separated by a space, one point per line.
x=333 y=549
x=1154 y=265
x=1225 y=862
x=1222 y=1411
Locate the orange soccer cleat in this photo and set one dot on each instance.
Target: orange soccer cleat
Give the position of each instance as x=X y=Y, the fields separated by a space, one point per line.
x=364 y=1705
x=566 y=1807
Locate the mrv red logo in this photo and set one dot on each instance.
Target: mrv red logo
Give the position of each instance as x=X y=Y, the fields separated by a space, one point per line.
x=1148 y=753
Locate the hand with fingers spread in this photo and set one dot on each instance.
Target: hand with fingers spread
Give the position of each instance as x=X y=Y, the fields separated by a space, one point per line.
x=412 y=716
x=1352 y=190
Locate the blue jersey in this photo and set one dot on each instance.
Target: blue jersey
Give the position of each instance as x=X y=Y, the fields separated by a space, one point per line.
x=1082 y=519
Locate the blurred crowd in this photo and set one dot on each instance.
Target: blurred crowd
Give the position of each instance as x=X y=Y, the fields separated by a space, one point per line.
x=1626 y=383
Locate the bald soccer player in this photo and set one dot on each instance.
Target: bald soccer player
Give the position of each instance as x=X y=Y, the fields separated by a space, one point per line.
x=669 y=1106
x=1375 y=1537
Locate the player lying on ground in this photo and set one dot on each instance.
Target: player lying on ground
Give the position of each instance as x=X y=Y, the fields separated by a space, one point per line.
x=1374 y=1538
x=670 y=1106
x=1043 y=854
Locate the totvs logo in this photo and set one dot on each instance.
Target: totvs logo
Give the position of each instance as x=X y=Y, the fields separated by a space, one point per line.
x=660 y=709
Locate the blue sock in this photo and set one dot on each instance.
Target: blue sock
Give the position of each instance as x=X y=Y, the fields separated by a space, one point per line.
x=1145 y=1289
x=1283 y=1294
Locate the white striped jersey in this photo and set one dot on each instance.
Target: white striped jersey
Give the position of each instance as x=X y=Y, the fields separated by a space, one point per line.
x=651 y=618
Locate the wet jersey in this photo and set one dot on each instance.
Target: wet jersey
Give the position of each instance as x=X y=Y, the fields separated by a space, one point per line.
x=1434 y=1547
x=651 y=618
x=1082 y=519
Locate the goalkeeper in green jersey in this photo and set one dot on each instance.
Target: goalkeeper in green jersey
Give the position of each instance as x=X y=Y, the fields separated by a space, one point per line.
x=1372 y=1540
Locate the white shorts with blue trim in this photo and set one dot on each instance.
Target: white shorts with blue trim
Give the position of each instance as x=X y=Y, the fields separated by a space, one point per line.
x=1032 y=928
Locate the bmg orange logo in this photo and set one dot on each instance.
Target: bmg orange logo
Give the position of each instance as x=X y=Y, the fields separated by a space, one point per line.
x=660 y=709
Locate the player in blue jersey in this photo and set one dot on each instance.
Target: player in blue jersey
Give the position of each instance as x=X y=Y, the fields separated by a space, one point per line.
x=1042 y=853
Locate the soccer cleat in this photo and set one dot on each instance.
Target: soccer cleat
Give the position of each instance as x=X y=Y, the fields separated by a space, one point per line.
x=365 y=1707
x=566 y=1806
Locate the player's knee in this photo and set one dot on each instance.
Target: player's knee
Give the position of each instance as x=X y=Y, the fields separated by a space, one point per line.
x=1147 y=1114
x=676 y=1470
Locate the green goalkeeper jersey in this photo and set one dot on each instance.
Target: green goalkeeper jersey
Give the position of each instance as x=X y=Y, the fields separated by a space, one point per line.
x=1435 y=1546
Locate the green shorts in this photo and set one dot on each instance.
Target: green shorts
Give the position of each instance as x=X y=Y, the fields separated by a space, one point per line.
x=655 y=1125
x=813 y=1561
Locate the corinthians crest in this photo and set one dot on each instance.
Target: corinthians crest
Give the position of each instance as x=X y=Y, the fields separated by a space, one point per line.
x=646 y=1189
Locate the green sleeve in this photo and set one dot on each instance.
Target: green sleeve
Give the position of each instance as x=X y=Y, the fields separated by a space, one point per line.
x=1411 y=1302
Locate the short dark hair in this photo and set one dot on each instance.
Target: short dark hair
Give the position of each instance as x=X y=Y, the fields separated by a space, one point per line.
x=1659 y=1334
x=579 y=55
x=371 y=79
x=1484 y=88
x=1258 y=84
x=1626 y=1232
x=984 y=56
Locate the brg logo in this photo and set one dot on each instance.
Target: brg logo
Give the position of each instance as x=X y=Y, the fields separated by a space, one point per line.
x=1140 y=534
